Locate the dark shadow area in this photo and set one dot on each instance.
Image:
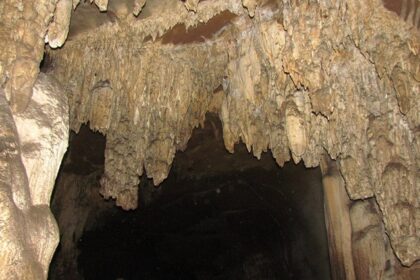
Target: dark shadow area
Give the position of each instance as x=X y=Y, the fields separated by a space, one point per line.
x=217 y=216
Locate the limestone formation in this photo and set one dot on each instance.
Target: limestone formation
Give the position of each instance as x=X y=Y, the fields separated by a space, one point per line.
x=191 y=5
x=102 y=4
x=138 y=6
x=358 y=244
x=32 y=147
x=344 y=80
x=59 y=28
x=299 y=78
x=163 y=77
x=43 y=134
x=22 y=32
x=406 y=9
x=338 y=222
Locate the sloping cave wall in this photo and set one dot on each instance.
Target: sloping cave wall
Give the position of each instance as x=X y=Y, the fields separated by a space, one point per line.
x=217 y=216
x=299 y=78
x=32 y=145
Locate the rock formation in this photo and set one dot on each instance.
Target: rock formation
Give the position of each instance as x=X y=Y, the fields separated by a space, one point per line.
x=32 y=147
x=23 y=28
x=299 y=78
x=408 y=10
x=288 y=84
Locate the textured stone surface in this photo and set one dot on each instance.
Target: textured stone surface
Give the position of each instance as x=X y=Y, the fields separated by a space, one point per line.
x=59 y=28
x=160 y=79
x=372 y=254
x=358 y=244
x=298 y=79
x=22 y=31
x=43 y=133
x=15 y=261
x=32 y=146
x=408 y=10
x=338 y=222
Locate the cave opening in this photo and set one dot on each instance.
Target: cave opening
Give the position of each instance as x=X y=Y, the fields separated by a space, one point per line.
x=217 y=216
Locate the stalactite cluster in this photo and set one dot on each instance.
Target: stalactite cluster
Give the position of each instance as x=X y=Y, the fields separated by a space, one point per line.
x=117 y=101
x=299 y=79
x=353 y=95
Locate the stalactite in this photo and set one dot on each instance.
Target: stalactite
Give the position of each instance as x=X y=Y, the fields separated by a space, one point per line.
x=59 y=28
x=299 y=79
x=343 y=80
x=22 y=32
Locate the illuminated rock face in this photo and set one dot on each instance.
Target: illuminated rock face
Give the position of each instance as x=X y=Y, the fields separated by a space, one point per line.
x=33 y=145
x=24 y=26
x=300 y=79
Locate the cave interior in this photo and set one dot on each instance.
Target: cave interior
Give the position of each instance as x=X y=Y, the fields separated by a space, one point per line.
x=196 y=139
x=217 y=216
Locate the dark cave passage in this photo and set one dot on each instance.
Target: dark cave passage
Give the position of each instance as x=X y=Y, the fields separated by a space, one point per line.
x=217 y=216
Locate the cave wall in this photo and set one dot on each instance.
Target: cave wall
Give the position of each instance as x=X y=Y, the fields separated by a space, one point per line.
x=298 y=78
x=76 y=203
x=32 y=146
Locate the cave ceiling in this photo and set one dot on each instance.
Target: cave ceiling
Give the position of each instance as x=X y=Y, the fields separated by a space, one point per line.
x=297 y=78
